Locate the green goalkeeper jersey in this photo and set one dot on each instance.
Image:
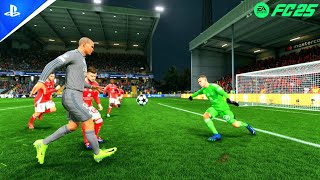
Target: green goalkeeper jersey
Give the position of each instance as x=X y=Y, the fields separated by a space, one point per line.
x=216 y=95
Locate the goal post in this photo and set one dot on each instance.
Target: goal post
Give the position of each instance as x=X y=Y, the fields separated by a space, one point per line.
x=295 y=86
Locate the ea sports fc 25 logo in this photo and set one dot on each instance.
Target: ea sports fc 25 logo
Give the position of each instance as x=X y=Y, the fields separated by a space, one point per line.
x=261 y=10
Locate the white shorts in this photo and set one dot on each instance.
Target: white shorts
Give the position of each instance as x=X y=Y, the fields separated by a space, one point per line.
x=41 y=107
x=117 y=101
x=112 y=100
x=96 y=116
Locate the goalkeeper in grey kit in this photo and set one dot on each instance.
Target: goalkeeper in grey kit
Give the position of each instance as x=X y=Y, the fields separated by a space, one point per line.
x=219 y=107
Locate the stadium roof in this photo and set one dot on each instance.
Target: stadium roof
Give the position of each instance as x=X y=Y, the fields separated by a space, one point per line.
x=252 y=33
x=64 y=23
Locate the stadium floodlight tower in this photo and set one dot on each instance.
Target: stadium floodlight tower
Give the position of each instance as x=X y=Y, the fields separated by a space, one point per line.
x=294 y=87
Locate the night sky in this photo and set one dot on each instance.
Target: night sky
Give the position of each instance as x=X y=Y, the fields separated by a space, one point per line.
x=180 y=23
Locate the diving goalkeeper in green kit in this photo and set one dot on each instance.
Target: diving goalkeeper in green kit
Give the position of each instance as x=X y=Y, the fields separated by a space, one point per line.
x=219 y=107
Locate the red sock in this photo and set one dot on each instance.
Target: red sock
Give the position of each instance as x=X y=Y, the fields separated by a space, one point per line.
x=109 y=109
x=47 y=110
x=97 y=128
x=84 y=134
x=32 y=119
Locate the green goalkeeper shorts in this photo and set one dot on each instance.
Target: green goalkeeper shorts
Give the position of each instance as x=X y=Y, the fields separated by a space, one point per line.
x=227 y=115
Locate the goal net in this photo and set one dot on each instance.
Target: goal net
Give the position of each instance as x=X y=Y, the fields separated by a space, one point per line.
x=294 y=86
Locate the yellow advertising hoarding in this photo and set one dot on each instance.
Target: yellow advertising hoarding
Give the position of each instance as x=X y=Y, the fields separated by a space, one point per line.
x=280 y=99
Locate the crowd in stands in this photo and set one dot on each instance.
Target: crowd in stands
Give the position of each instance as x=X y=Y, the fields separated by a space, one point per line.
x=305 y=55
x=280 y=85
x=25 y=60
x=142 y=87
x=35 y=61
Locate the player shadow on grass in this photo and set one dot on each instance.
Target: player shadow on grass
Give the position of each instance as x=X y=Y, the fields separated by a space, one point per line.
x=204 y=133
x=40 y=128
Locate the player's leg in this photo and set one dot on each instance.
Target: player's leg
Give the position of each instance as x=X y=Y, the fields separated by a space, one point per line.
x=97 y=127
x=39 y=108
x=229 y=117
x=118 y=103
x=99 y=154
x=50 y=107
x=96 y=116
x=111 y=104
x=86 y=143
x=208 y=117
x=41 y=145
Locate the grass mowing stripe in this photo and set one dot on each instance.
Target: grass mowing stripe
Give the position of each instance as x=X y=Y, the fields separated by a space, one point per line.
x=260 y=130
x=15 y=107
x=274 y=109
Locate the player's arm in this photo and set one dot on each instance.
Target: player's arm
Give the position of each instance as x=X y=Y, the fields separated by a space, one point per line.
x=200 y=91
x=220 y=91
x=105 y=90
x=97 y=100
x=93 y=87
x=52 y=90
x=48 y=69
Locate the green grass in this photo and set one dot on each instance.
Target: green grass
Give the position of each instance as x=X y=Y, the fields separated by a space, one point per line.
x=157 y=142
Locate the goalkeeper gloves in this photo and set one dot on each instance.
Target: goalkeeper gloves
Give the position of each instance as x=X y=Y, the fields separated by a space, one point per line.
x=232 y=102
x=190 y=98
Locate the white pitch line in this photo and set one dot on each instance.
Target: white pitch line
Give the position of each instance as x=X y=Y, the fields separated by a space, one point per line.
x=260 y=130
x=279 y=110
x=15 y=107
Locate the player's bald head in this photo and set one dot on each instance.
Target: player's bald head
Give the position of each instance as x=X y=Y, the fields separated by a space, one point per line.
x=85 y=40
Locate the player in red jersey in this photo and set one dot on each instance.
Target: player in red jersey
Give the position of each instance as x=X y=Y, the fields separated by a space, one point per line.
x=112 y=94
x=42 y=102
x=88 y=94
x=120 y=93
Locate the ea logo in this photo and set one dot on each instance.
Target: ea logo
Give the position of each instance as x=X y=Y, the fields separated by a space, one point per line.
x=261 y=10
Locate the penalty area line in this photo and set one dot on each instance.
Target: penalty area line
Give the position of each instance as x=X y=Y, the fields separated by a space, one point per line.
x=259 y=130
x=15 y=107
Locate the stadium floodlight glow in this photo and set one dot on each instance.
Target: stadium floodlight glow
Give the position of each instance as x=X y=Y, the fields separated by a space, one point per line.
x=116 y=44
x=96 y=43
x=224 y=45
x=35 y=25
x=159 y=8
x=97 y=1
x=52 y=40
x=73 y=41
x=296 y=38
x=114 y=16
x=135 y=45
x=50 y=9
x=256 y=51
x=138 y=33
x=89 y=29
x=140 y=19
x=64 y=27
x=115 y=31
x=83 y=13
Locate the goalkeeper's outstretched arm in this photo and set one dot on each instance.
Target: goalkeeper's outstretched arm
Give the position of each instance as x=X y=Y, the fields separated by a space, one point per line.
x=200 y=91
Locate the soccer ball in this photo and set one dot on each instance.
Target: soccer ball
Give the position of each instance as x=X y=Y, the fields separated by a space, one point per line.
x=142 y=100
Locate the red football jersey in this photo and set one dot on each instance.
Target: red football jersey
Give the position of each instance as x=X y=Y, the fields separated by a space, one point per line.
x=88 y=94
x=111 y=88
x=120 y=92
x=41 y=98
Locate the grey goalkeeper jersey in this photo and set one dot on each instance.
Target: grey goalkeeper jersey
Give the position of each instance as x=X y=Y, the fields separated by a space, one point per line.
x=76 y=69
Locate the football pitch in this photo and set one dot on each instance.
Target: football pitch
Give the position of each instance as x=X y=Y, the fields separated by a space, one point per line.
x=166 y=139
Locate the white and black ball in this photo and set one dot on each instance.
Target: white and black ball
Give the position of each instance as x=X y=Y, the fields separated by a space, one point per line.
x=142 y=100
